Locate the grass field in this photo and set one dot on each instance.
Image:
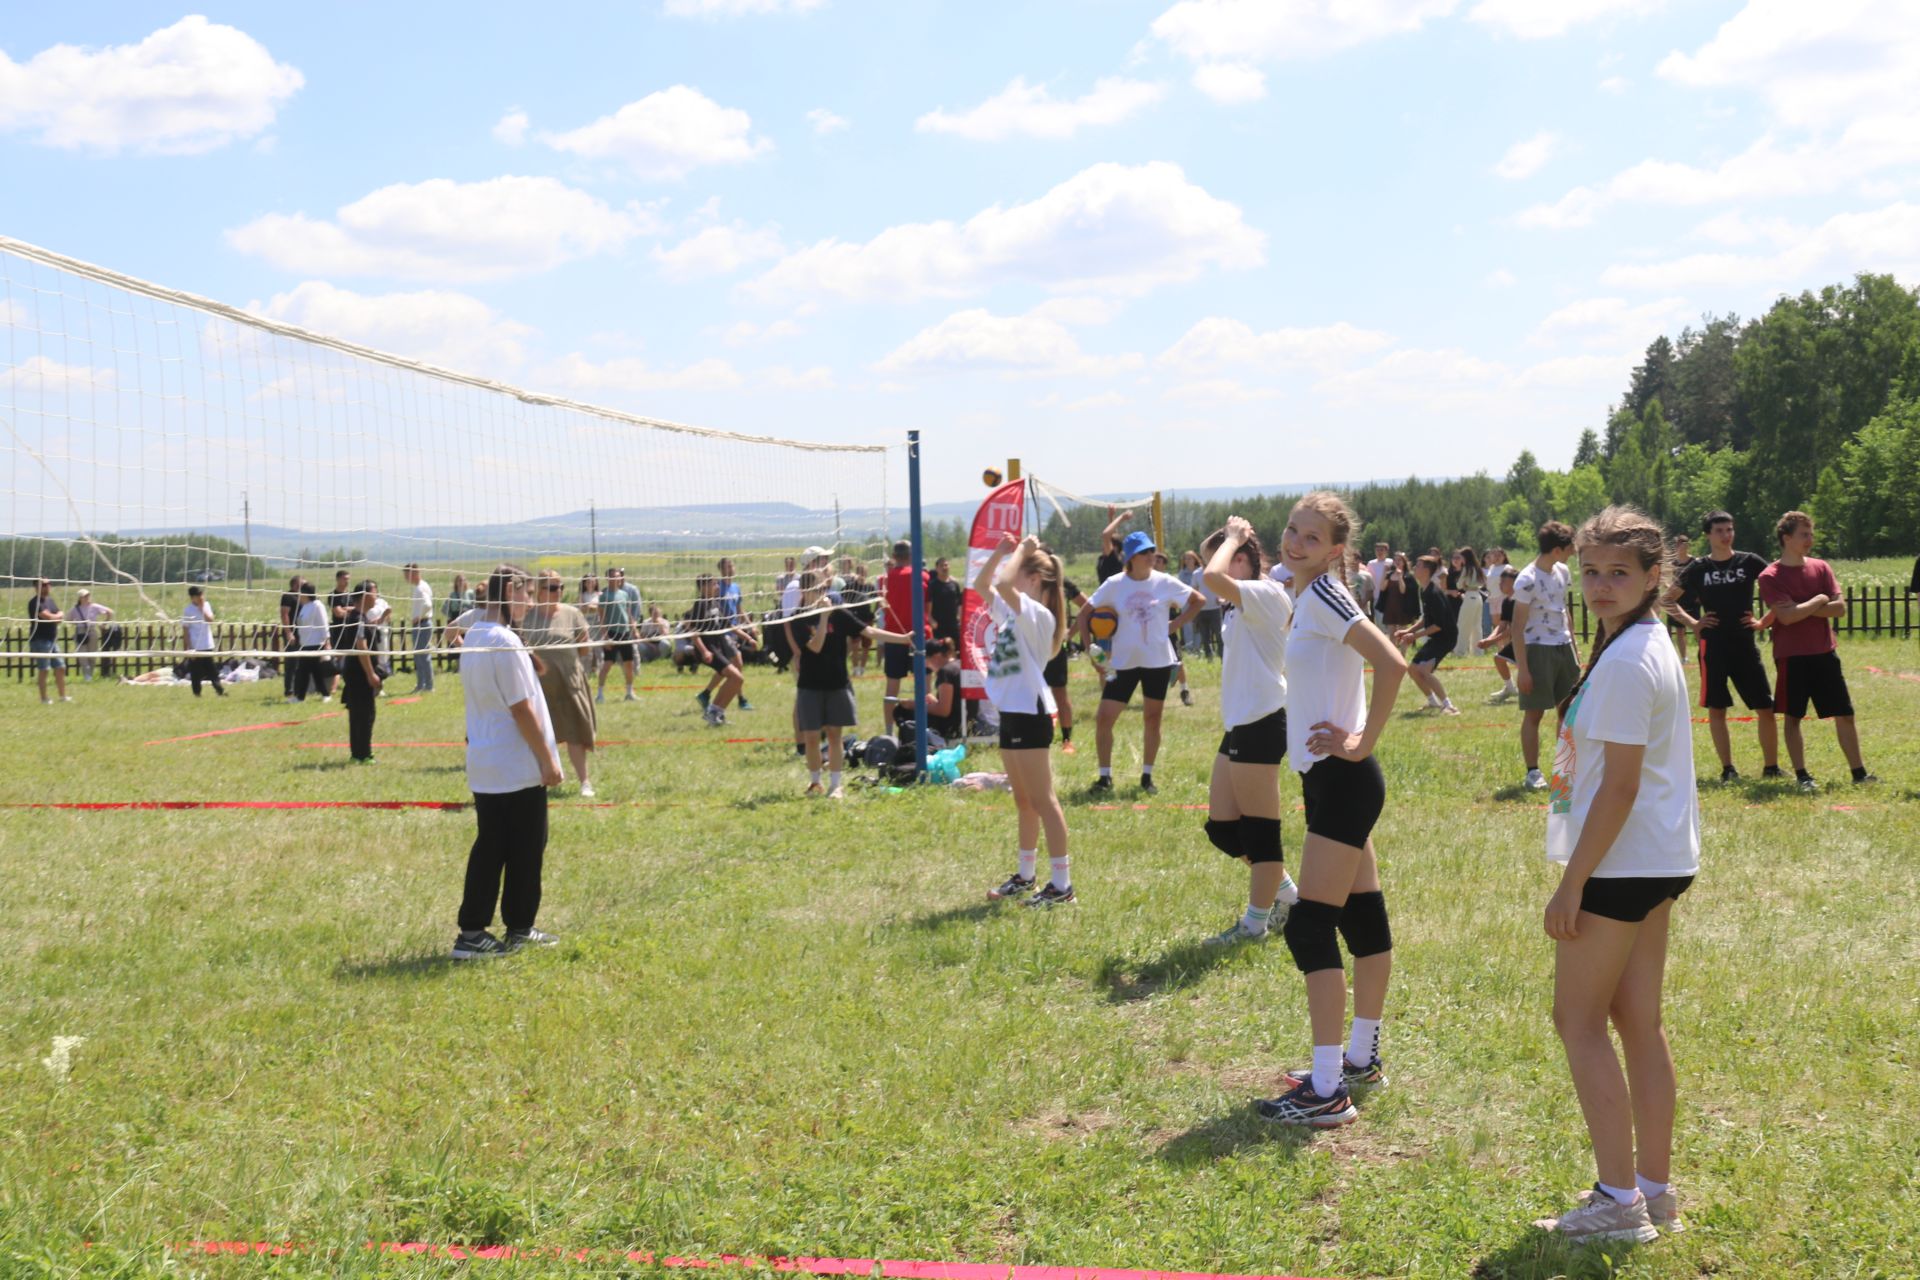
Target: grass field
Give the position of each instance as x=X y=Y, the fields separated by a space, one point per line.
x=776 y=1026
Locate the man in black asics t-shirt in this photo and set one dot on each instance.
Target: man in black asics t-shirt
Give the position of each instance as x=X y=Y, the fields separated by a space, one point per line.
x=1720 y=586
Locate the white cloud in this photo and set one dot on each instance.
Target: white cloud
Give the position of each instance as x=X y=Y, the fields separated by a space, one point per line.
x=451 y=330
x=1418 y=375
x=1528 y=156
x=1220 y=391
x=1543 y=19
x=631 y=373
x=970 y=341
x=1245 y=30
x=1885 y=239
x=1736 y=227
x=1230 y=83
x=737 y=8
x=1031 y=111
x=188 y=88
x=1079 y=310
x=780 y=377
x=666 y=135
x=1499 y=278
x=1574 y=209
x=1611 y=323
x=46 y=377
x=446 y=230
x=1116 y=229
x=718 y=250
x=1615 y=84
x=512 y=127
x=1601 y=374
x=743 y=332
x=825 y=121
x=1098 y=400
x=1218 y=342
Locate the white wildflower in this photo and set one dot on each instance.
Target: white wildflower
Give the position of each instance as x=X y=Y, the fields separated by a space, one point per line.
x=59 y=1063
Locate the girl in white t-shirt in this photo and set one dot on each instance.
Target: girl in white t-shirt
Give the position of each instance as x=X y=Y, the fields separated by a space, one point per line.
x=1243 y=800
x=1027 y=602
x=1623 y=817
x=511 y=761
x=1331 y=732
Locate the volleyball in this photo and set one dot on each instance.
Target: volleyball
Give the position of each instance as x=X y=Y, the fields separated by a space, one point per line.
x=1103 y=622
x=991 y=477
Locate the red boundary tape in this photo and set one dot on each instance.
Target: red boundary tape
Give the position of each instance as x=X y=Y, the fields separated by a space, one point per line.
x=891 y=1268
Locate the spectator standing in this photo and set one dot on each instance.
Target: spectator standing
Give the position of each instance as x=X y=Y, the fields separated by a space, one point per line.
x=1713 y=598
x=1378 y=568
x=341 y=601
x=310 y=637
x=289 y=639
x=945 y=592
x=197 y=618
x=823 y=699
x=380 y=619
x=559 y=635
x=420 y=628
x=1203 y=633
x=1491 y=564
x=620 y=610
x=896 y=661
x=1547 y=663
x=362 y=672
x=588 y=602
x=1804 y=596
x=1111 y=561
x=89 y=629
x=43 y=641
x=1399 y=597
x=1469 y=601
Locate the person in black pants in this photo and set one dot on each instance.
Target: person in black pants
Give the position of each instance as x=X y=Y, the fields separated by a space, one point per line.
x=360 y=679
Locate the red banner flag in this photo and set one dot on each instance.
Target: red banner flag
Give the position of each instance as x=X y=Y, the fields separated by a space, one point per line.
x=1004 y=511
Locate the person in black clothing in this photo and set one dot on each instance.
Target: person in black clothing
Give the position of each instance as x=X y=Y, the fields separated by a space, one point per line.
x=823 y=696
x=1436 y=631
x=945 y=704
x=943 y=601
x=289 y=643
x=1110 y=561
x=1057 y=671
x=360 y=679
x=713 y=636
x=1502 y=634
x=1713 y=598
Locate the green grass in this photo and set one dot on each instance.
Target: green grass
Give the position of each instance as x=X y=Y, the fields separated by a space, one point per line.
x=786 y=1027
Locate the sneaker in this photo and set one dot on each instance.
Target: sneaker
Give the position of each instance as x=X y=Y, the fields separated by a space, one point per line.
x=327 y=699
x=1146 y=785
x=1600 y=1217
x=292 y=701
x=1864 y=780
x=1663 y=1210
x=714 y=716
x=1729 y=774
x=1300 y=1105
x=1052 y=897
x=744 y=705
x=800 y=749
x=1500 y=696
x=600 y=696
x=46 y=702
x=1014 y=886
x=1102 y=783
x=837 y=793
x=703 y=698
x=1236 y=934
x=1447 y=708
x=814 y=789
x=586 y=791
x=1186 y=697
x=518 y=938
x=630 y=697
x=478 y=945
x=1536 y=780
x=1067 y=748
x=1371 y=1076
x=1773 y=773
x=1808 y=786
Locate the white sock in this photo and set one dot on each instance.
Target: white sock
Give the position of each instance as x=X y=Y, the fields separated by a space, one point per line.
x=1029 y=863
x=1289 y=891
x=1649 y=1188
x=816 y=776
x=1326 y=1069
x=1255 y=919
x=1106 y=771
x=1621 y=1195
x=1146 y=770
x=1061 y=877
x=1365 y=1042
x=833 y=779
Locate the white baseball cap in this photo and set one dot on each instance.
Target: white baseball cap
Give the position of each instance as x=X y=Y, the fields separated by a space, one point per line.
x=814 y=553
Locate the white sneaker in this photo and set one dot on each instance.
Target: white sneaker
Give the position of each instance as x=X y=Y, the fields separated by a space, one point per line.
x=327 y=699
x=600 y=696
x=586 y=791
x=630 y=697
x=1600 y=1217
x=1536 y=781
x=66 y=697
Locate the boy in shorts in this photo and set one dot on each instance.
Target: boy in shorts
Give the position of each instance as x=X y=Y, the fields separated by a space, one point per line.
x=1437 y=632
x=1718 y=587
x=1546 y=662
x=1803 y=594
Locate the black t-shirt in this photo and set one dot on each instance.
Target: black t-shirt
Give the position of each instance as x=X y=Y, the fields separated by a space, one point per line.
x=1437 y=611
x=943 y=602
x=1109 y=564
x=336 y=626
x=1724 y=588
x=858 y=597
x=1506 y=610
x=713 y=619
x=826 y=669
x=290 y=604
x=42 y=629
x=947 y=726
x=354 y=632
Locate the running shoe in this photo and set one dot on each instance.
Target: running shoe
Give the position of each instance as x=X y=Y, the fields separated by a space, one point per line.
x=1235 y=934
x=837 y=793
x=1447 y=708
x=1864 y=780
x=800 y=748
x=1536 y=780
x=1102 y=783
x=1773 y=773
x=1500 y=696
x=1014 y=886
x=1600 y=1217
x=1371 y=1076
x=1663 y=1210
x=1300 y=1105
x=630 y=697
x=600 y=696
x=1808 y=786
x=703 y=698
x=714 y=716
x=744 y=705
x=586 y=791
x=1067 y=748
x=1186 y=697
x=1729 y=774
x=1051 y=897
x=1146 y=785
x=815 y=789
x=478 y=945
x=518 y=938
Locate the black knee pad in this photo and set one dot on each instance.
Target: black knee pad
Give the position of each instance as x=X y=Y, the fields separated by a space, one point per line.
x=1364 y=924
x=1310 y=932
x=1260 y=840
x=1225 y=836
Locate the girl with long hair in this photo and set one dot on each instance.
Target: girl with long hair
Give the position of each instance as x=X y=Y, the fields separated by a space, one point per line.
x=1332 y=729
x=1492 y=561
x=1026 y=596
x=1470 y=597
x=1624 y=820
x=1243 y=798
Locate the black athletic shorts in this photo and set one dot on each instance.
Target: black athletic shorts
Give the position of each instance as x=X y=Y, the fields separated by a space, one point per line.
x=1811 y=677
x=1025 y=731
x=896 y=661
x=619 y=651
x=1434 y=648
x=1507 y=653
x=1056 y=672
x=721 y=654
x=1151 y=681
x=1344 y=799
x=1630 y=898
x=1262 y=741
x=1737 y=662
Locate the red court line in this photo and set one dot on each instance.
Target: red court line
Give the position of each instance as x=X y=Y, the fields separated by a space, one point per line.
x=604 y=742
x=245 y=728
x=1894 y=675
x=891 y=1268
x=107 y=806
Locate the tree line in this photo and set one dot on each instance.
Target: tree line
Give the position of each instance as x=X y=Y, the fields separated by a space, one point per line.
x=63 y=560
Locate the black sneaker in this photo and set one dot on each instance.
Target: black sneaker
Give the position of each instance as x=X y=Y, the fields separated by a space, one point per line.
x=1773 y=773
x=800 y=749
x=1373 y=1075
x=1146 y=784
x=478 y=945
x=518 y=938
x=1865 y=780
x=1051 y=897
x=1101 y=784
x=1014 y=886
x=1807 y=785
x=703 y=698
x=1186 y=697
x=1300 y=1105
x=1729 y=774
x=743 y=704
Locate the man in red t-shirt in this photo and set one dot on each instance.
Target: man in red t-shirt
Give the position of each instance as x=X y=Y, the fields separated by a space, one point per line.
x=1802 y=594
x=897 y=659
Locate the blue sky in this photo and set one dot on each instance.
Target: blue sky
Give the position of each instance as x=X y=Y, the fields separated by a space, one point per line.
x=1137 y=244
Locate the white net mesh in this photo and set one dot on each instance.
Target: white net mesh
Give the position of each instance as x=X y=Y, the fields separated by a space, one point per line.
x=150 y=440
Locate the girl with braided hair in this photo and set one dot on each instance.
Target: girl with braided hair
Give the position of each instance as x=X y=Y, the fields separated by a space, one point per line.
x=1624 y=820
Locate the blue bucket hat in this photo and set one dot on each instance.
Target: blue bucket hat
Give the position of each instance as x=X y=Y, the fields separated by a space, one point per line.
x=1136 y=542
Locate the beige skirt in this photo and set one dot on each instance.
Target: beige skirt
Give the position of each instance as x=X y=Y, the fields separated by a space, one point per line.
x=570 y=707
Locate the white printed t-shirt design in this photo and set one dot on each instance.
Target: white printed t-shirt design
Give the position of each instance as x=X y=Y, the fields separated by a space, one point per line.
x=1142 y=638
x=1544 y=592
x=1016 y=673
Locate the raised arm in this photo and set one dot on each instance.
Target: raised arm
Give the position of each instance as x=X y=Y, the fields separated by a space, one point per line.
x=983 y=582
x=1218 y=574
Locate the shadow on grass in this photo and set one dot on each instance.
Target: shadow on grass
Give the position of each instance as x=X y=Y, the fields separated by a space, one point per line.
x=321 y=766
x=1538 y=1255
x=1515 y=793
x=1225 y=1135
x=961 y=915
x=430 y=964
x=1177 y=967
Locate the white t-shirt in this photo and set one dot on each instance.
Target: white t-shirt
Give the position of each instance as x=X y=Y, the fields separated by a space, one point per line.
x=1016 y=667
x=310 y=625
x=422 y=602
x=1636 y=696
x=498 y=760
x=1379 y=570
x=199 y=634
x=1544 y=592
x=1328 y=680
x=1142 y=638
x=1281 y=574
x=1253 y=674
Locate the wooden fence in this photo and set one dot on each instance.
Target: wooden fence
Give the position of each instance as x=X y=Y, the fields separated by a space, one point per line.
x=1888 y=611
x=228 y=637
